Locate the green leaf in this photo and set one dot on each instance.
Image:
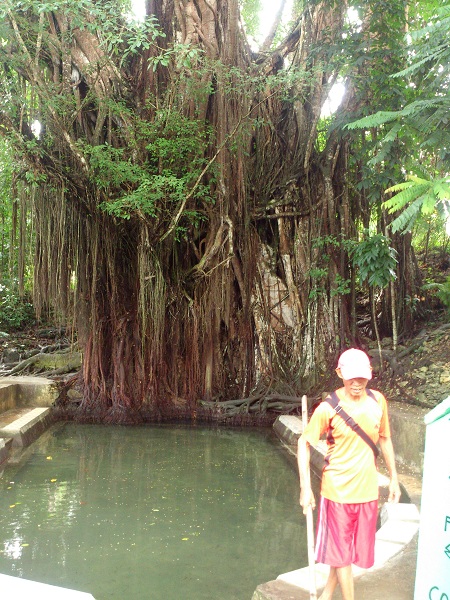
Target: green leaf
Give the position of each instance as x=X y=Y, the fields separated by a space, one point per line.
x=442 y=190
x=428 y=204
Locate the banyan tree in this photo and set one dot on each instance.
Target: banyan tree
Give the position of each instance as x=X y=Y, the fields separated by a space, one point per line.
x=193 y=210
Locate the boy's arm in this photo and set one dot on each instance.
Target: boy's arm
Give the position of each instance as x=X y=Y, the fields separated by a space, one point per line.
x=303 y=459
x=389 y=458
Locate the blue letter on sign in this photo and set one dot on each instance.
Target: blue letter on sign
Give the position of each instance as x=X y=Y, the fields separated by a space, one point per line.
x=447 y=551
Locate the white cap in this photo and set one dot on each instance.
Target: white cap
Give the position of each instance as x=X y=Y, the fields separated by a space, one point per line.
x=355 y=363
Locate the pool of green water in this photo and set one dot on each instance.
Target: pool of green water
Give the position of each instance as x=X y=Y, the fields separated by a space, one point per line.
x=154 y=513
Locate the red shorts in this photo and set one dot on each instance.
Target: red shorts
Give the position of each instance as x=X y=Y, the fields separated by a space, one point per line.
x=346 y=533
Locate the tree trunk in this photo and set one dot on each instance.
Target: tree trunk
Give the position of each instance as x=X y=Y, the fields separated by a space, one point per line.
x=188 y=196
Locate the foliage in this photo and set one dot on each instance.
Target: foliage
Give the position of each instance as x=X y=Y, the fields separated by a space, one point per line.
x=442 y=292
x=341 y=286
x=429 y=72
x=418 y=197
x=183 y=56
x=375 y=259
x=8 y=210
x=420 y=123
x=250 y=11
x=175 y=148
x=431 y=234
x=15 y=312
x=127 y=41
x=172 y=154
x=6 y=178
x=377 y=44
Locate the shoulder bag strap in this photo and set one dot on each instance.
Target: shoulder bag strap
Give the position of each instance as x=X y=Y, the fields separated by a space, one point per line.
x=333 y=401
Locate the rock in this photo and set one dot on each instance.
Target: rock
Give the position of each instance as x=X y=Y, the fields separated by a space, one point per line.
x=421 y=375
x=421 y=397
x=436 y=367
x=74 y=395
x=375 y=361
x=11 y=356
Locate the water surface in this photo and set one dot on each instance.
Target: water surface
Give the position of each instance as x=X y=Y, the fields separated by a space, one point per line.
x=163 y=513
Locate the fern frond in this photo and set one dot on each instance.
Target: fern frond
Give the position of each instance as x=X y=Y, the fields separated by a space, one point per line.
x=442 y=190
x=419 y=180
x=417 y=196
x=381 y=155
x=438 y=139
x=392 y=134
x=428 y=204
x=407 y=218
x=411 y=69
x=374 y=120
x=398 y=187
x=419 y=105
x=413 y=109
x=441 y=21
x=400 y=200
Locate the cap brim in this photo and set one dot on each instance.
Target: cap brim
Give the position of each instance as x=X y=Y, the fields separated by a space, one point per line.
x=352 y=373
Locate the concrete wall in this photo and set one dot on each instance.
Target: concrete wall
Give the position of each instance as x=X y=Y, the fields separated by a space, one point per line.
x=26 y=391
x=408 y=435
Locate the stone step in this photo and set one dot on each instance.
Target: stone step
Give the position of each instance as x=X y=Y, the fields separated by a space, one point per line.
x=5 y=449
x=25 y=425
x=24 y=589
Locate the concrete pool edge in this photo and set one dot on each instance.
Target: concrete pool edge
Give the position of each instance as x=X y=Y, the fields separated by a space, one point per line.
x=21 y=423
x=20 y=430
x=399 y=527
x=24 y=589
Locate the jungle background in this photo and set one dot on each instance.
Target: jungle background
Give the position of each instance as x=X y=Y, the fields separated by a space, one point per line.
x=190 y=231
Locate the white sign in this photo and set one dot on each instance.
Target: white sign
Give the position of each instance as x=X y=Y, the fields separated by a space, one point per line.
x=433 y=557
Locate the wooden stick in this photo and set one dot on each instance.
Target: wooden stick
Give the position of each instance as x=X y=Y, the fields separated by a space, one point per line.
x=309 y=519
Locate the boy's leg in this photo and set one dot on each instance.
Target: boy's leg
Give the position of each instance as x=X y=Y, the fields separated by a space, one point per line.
x=343 y=576
x=330 y=585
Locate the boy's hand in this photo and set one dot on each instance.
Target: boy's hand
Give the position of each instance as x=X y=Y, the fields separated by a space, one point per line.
x=307 y=499
x=394 y=491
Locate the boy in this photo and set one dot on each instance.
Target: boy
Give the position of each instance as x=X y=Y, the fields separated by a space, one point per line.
x=349 y=491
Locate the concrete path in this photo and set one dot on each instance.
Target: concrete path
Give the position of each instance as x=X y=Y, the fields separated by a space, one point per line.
x=395 y=581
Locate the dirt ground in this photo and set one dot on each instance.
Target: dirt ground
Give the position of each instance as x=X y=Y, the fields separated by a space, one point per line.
x=423 y=376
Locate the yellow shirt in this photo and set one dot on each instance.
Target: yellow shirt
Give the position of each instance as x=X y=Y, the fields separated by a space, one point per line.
x=350 y=473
